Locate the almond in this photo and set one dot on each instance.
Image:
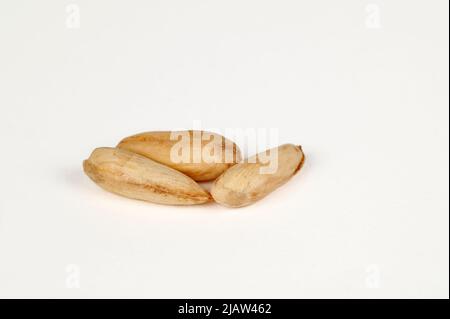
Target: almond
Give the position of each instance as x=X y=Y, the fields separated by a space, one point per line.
x=132 y=175
x=249 y=181
x=201 y=155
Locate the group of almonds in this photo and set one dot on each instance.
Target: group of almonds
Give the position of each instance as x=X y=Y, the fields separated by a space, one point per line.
x=140 y=167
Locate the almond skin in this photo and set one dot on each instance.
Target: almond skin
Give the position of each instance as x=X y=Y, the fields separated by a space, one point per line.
x=132 y=175
x=243 y=184
x=158 y=146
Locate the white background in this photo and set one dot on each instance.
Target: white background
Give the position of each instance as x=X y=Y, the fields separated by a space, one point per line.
x=362 y=85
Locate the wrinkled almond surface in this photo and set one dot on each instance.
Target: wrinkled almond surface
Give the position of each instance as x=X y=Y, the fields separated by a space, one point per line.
x=159 y=146
x=244 y=184
x=135 y=176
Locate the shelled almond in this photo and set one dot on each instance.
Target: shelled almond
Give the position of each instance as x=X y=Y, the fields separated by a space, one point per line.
x=201 y=155
x=246 y=183
x=135 y=176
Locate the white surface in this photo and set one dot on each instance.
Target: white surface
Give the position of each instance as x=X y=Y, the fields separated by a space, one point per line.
x=366 y=217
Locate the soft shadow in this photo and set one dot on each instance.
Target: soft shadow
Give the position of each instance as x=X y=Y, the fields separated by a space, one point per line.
x=74 y=176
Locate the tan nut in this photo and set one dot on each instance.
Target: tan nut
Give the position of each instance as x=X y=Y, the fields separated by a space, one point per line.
x=201 y=155
x=135 y=176
x=249 y=181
